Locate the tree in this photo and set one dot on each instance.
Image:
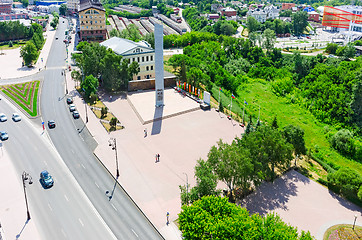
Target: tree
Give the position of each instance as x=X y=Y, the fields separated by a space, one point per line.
x=76 y=76
x=216 y=218
x=343 y=142
x=104 y=112
x=93 y=98
x=331 y=48
x=299 y=21
x=295 y=136
x=63 y=9
x=111 y=71
x=113 y=123
x=29 y=53
x=269 y=39
x=252 y=24
x=268 y=150
x=346 y=181
x=89 y=85
x=131 y=33
x=356 y=103
x=349 y=51
x=275 y=123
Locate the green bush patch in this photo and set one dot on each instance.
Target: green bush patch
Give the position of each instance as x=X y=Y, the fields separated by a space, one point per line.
x=25 y=95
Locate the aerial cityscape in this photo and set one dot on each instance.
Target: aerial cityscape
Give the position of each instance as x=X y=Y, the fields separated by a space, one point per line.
x=202 y=119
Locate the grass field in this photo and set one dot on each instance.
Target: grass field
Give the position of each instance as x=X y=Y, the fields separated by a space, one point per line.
x=260 y=94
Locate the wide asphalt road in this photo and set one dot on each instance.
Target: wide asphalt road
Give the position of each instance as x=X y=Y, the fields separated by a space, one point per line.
x=60 y=212
x=118 y=211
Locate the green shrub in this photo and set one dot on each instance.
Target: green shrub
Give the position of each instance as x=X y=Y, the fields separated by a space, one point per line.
x=345 y=181
x=342 y=141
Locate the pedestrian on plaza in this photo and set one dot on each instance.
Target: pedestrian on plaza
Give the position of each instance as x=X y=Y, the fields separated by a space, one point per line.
x=145 y=131
x=167 y=216
x=158 y=157
x=110 y=98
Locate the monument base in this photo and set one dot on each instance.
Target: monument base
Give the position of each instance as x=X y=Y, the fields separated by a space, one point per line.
x=205 y=106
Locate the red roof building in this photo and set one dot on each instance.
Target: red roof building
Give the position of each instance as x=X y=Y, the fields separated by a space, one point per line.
x=5 y=8
x=286 y=6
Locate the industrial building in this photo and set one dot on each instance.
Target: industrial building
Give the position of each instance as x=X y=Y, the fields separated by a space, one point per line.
x=343 y=18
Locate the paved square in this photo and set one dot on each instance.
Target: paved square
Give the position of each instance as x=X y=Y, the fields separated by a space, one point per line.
x=143 y=103
x=180 y=140
x=303 y=203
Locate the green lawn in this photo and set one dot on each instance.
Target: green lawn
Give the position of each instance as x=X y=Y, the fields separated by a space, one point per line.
x=258 y=93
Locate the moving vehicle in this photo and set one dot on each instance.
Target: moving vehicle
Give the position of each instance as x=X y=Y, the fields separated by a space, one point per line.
x=75 y=114
x=4 y=135
x=46 y=179
x=3 y=117
x=51 y=124
x=16 y=117
x=72 y=107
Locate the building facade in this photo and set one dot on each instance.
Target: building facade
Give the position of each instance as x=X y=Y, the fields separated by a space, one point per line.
x=271 y=11
x=92 y=18
x=259 y=14
x=286 y=6
x=73 y=5
x=5 y=8
x=343 y=18
x=141 y=52
x=228 y=12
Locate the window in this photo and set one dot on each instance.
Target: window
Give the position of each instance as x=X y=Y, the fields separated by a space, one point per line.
x=151 y=57
x=148 y=76
x=138 y=77
x=147 y=68
x=143 y=59
x=147 y=58
x=151 y=67
x=133 y=59
x=138 y=59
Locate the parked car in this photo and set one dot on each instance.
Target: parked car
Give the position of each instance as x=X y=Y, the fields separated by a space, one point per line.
x=72 y=107
x=75 y=114
x=51 y=124
x=4 y=135
x=46 y=179
x=69 y=100
x=16 y=117
x=308 y=37
x=3 y=117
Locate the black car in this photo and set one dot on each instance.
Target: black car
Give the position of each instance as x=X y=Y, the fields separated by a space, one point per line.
x=75 y=114
x=69 y=100
x=51 y=124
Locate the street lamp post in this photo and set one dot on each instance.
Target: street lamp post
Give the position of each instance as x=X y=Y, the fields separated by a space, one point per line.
x=354 y=223
x=26 y=177
x=113 y=144
x=85 y=105
x=187 y=189
x=65 y=79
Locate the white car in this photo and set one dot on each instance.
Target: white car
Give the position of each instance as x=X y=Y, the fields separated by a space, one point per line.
x=72 y=107
x=3 y=117
x=16 y=117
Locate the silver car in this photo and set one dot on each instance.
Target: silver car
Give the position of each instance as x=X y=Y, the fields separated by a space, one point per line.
x=4 y=135
x=16 y=117
x=3 y=117
x=71 y=107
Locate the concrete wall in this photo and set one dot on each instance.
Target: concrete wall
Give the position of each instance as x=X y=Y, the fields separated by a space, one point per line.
x=150 y=84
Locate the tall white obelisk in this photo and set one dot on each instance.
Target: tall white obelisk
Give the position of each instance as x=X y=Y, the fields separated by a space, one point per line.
x=159 y=79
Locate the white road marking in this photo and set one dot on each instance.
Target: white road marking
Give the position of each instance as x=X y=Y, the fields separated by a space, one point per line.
x=50 y=207
x=66 y=198
x=81 y=222
x=114 y=207
x=63 y=232
x=134 y=232
x=45 y=163
x=82 y=166
x=96 y=184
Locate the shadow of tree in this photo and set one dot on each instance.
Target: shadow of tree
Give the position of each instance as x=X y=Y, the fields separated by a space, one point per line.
x=345 y=203
x=273 y=195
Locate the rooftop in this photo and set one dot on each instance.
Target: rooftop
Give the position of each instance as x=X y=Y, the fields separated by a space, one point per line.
x=121 y=45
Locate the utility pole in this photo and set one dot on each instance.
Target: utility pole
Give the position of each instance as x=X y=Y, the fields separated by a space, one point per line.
x=113 y=143
x=26 y=177
x=187 y=189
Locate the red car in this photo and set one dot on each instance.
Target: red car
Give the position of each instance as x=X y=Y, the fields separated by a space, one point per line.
x=308 y=37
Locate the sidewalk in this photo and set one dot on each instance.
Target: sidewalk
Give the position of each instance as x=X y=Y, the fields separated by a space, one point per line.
x=13 y=219
x=11 y=61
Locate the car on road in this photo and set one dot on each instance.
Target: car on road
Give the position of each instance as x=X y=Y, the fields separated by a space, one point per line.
x=46 y=179
x=16 y=117
x=4 y=135
x=3 y=117
x=72 y=107
x=65 y=41
x=75 y=114
x=56 y=38
x=69 y=100
x=308 y=37
x=51 y=124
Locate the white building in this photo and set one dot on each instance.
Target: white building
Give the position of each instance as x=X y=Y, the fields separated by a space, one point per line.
x=73 y=5
x=141 y=52
x=259 y=14
x=272 y=12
